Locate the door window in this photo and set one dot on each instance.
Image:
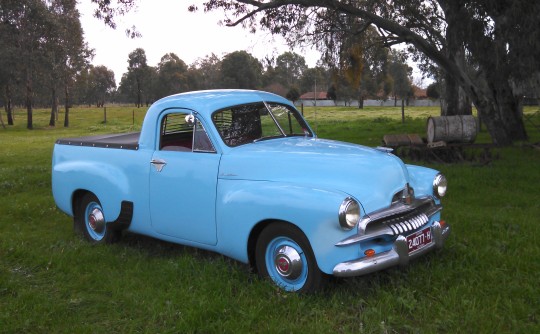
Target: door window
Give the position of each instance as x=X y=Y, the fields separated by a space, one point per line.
x=185 y=133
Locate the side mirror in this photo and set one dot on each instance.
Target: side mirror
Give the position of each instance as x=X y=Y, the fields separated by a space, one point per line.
x=190 y=120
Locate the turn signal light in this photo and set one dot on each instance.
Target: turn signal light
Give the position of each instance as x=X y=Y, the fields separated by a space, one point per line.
x=369 y=252
x=442 y=223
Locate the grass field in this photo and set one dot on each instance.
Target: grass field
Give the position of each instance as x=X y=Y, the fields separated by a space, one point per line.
x=484 y=281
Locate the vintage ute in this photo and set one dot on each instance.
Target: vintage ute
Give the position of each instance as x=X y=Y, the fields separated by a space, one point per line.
x=241 y=173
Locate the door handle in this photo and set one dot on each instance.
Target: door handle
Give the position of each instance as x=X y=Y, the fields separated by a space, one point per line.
x=158 y=164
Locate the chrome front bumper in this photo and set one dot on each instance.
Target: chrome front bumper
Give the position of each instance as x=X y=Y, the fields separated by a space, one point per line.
x=398 y=255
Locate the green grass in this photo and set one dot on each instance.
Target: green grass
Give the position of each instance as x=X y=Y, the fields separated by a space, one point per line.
x=484 y=281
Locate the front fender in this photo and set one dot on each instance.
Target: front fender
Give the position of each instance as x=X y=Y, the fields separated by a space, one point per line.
x=421 y=179
x=242 y=204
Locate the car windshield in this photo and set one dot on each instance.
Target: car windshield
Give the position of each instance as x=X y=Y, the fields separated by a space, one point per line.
x=253 y=122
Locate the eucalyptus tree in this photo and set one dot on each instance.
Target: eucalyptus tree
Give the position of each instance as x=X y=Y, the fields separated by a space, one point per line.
x=204 y=73
x=138 y=70
x=127 y=89
x=433 y=90
x=240 y=69
x=358 y=61
x=9 y=65
x=24 y=27
x=172 y=75
x=289 y=68
x=66 y=52
x=401 y=74
x=41 y=45
x=139 y=82
x=101 y=84
x=500 y=41
x=293 y=94
x=316 y=79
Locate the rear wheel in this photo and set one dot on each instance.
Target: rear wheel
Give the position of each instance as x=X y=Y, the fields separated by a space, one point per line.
x=284 y=254
x=90 y=221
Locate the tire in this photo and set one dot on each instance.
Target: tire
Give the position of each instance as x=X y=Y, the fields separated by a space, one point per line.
x=90 y=221
x=284 y=254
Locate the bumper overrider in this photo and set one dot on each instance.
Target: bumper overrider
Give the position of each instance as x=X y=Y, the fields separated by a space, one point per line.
x=399 y=220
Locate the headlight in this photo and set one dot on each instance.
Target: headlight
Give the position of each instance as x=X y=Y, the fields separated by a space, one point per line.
x=439 y=185
x=349 y=213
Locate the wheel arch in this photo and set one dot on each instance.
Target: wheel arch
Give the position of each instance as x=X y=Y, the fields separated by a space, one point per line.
x=286 y=257
x=120 y=222
x=76 y=199
x=254 y=236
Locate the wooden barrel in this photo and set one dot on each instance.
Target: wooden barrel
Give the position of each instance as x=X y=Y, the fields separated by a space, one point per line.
x=451 y=129
x=402 y=140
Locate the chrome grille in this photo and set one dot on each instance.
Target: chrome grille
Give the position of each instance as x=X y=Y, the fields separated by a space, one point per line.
x=407 y=224
x=399 y=218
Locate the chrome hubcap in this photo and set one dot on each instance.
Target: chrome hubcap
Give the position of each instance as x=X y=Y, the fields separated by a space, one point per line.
x=96 y=221
x=288 y=262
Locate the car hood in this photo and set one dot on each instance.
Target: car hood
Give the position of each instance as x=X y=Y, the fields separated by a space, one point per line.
x=370 y=175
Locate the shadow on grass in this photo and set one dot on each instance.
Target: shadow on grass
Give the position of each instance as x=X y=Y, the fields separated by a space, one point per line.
x=367 y=286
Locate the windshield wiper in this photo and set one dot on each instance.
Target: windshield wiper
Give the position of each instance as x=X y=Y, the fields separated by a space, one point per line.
x=307 y=134
x=267 y=138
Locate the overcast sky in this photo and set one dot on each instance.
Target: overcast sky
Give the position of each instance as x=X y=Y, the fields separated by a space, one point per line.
x=167 y=26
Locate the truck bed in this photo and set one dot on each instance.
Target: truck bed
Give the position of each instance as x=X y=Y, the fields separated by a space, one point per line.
x=126 y=141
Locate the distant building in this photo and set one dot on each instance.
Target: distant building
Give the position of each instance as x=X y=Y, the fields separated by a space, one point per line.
x=314 y=96
x=419 y=93
x=419 y=99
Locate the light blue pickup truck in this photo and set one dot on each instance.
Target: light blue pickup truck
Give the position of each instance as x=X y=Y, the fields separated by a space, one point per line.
x=241 y=173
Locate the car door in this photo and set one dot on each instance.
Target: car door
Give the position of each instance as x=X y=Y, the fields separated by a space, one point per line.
x=183 y=180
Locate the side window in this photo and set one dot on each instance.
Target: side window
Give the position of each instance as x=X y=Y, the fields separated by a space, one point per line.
x=288 y=121
x=201 y=142
x=183 y=132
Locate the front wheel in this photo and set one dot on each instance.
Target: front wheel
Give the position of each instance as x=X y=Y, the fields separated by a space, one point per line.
x=284 y=254
x=90 y=221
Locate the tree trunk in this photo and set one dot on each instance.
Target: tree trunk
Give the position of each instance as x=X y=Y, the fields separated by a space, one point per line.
x=403 y=111
x=66 y=104
x=2 y=121
x=495 y=101
x=491 y=94
x=54 y=109
x=57 y=104
x=29 y=122
x=9 y=108
x=456 y=101
x=501 y=113
x=139 y=93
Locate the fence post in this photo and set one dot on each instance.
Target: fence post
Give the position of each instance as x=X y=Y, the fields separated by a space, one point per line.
x=104 y=115
x=133 y=117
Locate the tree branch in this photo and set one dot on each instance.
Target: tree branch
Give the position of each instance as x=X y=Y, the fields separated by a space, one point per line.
x=403 y=34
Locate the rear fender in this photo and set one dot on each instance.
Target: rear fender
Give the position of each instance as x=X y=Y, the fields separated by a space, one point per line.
x=108 y=183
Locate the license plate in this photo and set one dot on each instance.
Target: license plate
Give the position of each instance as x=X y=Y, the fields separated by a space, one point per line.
x=419 y=240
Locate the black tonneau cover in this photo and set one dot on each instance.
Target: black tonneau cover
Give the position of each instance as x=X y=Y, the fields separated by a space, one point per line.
x=127 y=141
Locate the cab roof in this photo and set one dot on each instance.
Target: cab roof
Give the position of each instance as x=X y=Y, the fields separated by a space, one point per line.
x=205 y=102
